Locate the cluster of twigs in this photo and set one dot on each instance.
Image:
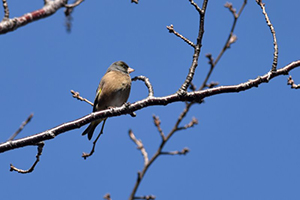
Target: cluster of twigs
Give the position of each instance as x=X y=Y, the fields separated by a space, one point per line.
x=190 y=98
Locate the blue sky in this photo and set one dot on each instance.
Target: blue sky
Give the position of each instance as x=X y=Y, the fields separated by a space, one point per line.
x=246 y=145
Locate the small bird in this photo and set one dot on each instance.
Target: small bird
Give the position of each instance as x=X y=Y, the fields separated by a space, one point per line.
x=113 y=91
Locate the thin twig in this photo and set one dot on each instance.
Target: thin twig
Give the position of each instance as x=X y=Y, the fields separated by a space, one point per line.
x=6 y=10
x=21 y=127
x=140 y=146
x=147 y=83
x=73 y=5
x=141 y=174
x=76 y=95
x=157 y=124
x=184 y=151
x=193 y=122
x=196 y=6
x=148 y=197
x=86 y=155
x=292 y=83
x=171 y=30
x=39 y=153
x=275 y=58
x=192 y=69
x=230 y=40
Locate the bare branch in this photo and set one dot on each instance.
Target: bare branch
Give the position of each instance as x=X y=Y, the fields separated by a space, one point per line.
x=196 y=6
x=231 y=9
x=76 y=95
x=193 y=122
x=230 y=40
x=275 y=58
x=21 y=127
x=195 y=96
x=147 y=83
x=39 y=153
x=171 y=30
x=184 y=151
x=73 y=5
x=292 y=84
x=157 y=124
x=149 y=197
x=49 y=8
x=140 y=146
x=6 y=10
x=198 y=46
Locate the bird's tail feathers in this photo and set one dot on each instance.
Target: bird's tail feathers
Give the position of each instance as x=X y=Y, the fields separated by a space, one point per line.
x=90 y=129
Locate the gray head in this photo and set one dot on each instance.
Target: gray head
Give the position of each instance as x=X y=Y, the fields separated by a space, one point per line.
x=120 y=66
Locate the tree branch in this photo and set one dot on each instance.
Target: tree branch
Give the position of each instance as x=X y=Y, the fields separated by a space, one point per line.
x=49 y=8
x=21 y=127
x=231 y=39
x=292 y=83
x=198 y=46
x=195 y=96
x=275 y=58
x=39 y=153
x=6 y=10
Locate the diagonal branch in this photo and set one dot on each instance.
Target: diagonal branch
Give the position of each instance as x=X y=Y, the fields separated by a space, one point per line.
x=194 y=96
x=172 y=30
x=21 y=127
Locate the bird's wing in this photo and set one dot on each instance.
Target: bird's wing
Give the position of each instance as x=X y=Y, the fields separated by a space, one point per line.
x=98 y=93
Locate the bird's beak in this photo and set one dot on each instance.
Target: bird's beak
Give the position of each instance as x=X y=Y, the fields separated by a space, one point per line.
x=130 y=70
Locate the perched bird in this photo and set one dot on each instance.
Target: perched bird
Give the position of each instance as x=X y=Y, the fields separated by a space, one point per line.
x=113 y=91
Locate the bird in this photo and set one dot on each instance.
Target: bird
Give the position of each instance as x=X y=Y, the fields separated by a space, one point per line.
x=113 y=91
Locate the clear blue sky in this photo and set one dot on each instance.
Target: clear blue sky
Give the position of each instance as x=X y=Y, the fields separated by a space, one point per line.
x=246 y=145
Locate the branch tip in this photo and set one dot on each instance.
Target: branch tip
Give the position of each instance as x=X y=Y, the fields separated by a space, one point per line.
x=172 y=30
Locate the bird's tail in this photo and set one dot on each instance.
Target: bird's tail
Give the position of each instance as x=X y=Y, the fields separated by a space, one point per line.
x=90 y=129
